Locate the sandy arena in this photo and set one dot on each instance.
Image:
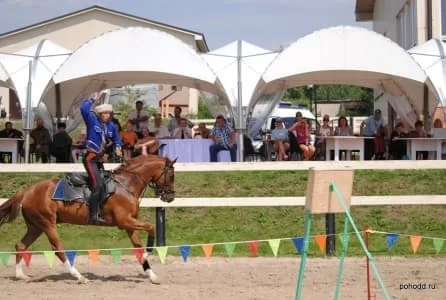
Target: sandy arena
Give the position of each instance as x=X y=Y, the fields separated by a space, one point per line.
x=224 y=278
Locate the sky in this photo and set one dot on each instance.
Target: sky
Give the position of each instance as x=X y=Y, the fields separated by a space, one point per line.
x=267 y=23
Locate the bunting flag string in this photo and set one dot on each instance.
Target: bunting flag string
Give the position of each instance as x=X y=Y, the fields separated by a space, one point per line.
x=391 y=239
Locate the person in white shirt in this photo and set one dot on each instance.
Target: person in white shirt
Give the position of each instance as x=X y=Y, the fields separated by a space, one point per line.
x=139 y=118
x=158 y=130
x=175 y=121
x=182 y=132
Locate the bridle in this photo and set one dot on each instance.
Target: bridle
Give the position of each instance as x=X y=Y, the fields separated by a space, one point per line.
x=160 y=190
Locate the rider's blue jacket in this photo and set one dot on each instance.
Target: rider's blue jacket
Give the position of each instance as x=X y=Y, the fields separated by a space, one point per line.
x=97 y=132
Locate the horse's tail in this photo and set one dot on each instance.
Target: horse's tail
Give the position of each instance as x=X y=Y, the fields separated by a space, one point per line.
x=10 y=210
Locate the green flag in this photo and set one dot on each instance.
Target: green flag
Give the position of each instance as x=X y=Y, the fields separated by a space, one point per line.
x=116 y=256
x=49 y=255
x=230 y=248
x=162 y=253
x=274 y=244
x=438 y=244
x=4 y=257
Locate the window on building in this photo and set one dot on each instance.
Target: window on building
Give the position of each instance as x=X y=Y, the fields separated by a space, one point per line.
x=407 y=25
x=443 y=18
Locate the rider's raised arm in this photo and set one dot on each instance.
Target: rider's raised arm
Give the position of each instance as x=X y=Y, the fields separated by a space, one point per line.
x=87 y=113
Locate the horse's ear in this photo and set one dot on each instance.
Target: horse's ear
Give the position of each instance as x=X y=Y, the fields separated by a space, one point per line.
x=173 y=161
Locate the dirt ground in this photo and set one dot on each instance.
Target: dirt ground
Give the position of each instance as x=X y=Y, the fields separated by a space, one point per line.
x=226 y=278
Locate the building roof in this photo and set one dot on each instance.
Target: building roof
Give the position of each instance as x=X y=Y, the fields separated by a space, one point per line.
x=364 y=10
x=199 y=37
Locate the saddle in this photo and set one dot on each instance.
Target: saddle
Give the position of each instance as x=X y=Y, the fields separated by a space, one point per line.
x=74 y=186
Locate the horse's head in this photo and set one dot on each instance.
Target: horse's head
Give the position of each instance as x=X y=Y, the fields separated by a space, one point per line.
x=163 y=182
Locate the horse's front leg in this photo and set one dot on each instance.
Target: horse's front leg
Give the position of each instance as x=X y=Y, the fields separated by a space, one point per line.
x=136 y=242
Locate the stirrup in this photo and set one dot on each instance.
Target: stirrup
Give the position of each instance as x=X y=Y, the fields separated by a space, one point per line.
x=97 y=220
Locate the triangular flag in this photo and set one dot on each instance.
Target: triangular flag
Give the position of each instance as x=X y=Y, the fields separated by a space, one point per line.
x=299 y=244
x=207 y=249
x=93 y=254
x=116 y=256
x=230 y=248
x=4 y=257
x=274 y=244
x=49 y=255
x=26 y=257
x=415 y=241
x=185 y=251
x=391 y=238
x=254 y=247
x=321 y=241
x=70 y=255
x=139 y=252
x=438 y=244
x=344 y=238
x=162 y=253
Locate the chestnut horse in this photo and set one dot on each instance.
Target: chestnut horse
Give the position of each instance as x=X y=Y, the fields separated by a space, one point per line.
x=41 y=213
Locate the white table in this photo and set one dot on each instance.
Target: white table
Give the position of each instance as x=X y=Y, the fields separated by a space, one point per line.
x=348 y=143
x=191 y=150
x=10 y=145
x=424 y=144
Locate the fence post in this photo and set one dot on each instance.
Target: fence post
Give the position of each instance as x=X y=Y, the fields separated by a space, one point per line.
x=160 y=226
x=330 y=231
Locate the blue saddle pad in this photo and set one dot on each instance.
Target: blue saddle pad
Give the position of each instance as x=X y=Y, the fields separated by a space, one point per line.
x=66 y=192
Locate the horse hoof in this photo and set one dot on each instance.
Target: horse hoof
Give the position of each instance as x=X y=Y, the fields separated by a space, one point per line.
x=152 y=276
x=82 y=280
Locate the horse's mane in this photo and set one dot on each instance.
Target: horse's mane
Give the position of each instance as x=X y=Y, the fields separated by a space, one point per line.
x=137 y=161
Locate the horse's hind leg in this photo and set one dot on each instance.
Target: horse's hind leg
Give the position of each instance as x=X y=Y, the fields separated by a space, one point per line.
x=136 y=242
x=30 y=236
x=56 y=244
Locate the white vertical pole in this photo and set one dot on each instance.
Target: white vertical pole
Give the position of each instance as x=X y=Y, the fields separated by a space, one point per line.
x=28 y=113
x=240 y=122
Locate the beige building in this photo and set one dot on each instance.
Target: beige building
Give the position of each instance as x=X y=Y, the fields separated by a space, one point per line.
x=74 y=29
x=407 y=22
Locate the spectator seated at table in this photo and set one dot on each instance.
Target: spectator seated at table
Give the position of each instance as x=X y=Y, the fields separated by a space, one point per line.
x=322 y=132
x=398 y=147
x=150 y=142
x=61 y=146
x=41 y=141
x=302 y=132
x=370 y=128
x=158 y=130
x=79 y=146
x=129 y=139
x=279 y=136
x=175 y=121
x=139 y=118
x=224 y=139
x=202 y=132
x=11 y=133
x=419 y=132
x=182 y=132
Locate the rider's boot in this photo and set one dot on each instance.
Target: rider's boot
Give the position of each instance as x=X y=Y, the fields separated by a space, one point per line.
x=94 y=208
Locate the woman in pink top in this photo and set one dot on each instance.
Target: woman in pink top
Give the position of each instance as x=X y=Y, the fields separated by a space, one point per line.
x=302 y=132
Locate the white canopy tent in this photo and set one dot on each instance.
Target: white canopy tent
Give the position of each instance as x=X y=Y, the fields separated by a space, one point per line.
x=432 y=59
x=4 y=77
x=127 y=56
x=354 y=56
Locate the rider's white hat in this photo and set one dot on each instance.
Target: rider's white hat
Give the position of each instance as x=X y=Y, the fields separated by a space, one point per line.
x=103 y=108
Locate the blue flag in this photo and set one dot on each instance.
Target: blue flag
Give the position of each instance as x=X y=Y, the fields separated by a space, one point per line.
x=298 y=243
x=185 y=251
x=391 y=238
x=70 y=255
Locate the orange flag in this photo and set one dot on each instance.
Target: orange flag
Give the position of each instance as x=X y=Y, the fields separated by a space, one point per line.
x=93 y=254
x=321 y=241
x=207 y=249
x=415 y=241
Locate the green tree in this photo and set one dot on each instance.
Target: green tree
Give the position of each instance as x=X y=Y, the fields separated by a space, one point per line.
x=203 y=110
x=124 y=108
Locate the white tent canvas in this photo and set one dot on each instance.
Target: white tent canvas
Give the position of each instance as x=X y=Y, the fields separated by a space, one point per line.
x=349 y=55
x=431 y=57
x=133 y=55
x=46 y=57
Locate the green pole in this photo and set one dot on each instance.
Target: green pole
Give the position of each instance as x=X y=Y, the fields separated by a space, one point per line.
x=303 y=260
x=374 y=267
x=345 y=240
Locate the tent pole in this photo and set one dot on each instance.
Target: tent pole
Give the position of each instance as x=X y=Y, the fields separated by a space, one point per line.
x=240 y=122
x=28 y=113
x=58 y=103
x=426 y=116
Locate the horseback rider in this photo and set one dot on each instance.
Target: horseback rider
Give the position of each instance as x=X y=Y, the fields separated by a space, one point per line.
x=100 y=128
